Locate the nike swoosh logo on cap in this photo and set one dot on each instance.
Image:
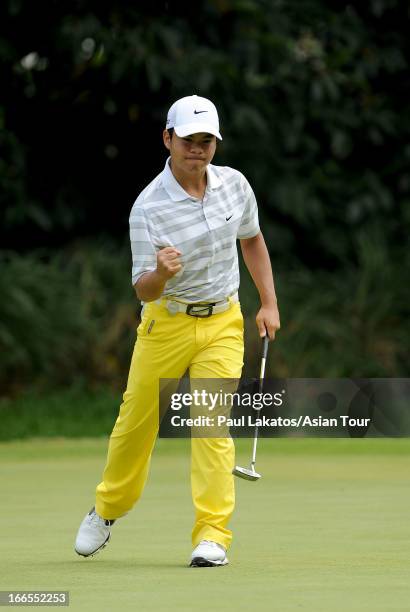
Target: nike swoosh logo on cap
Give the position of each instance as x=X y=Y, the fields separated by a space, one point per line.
x=227 y=218
x=197 y=112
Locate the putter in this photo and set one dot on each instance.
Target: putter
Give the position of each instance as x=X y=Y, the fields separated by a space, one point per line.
x=250 y=473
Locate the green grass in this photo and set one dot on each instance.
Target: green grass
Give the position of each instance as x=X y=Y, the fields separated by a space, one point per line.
x=325 y=529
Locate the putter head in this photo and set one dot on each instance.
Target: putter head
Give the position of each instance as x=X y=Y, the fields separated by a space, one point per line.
x=245 y=473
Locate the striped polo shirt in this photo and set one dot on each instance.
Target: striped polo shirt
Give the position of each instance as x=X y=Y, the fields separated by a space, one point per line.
x=205 y=231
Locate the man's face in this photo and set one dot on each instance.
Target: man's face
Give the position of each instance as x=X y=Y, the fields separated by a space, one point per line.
x=190 y=154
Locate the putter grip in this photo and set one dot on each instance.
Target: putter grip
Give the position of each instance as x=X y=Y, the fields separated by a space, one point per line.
x=265 y=346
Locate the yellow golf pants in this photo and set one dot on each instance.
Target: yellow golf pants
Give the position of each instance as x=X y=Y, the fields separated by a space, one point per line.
x=167 y=345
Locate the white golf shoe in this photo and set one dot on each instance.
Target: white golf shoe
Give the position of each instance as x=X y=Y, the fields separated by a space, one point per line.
x=93 y=535
x=208 y=554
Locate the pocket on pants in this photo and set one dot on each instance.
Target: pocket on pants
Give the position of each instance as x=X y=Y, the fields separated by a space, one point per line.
x=147 y=322
x=239 y=316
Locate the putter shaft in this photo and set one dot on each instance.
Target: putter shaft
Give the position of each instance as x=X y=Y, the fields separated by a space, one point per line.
x=251 y=474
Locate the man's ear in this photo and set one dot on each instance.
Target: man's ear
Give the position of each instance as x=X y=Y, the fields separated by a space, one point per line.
x=167 y=139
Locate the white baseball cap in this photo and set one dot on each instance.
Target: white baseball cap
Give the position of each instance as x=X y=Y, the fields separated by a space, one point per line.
x=193 y=114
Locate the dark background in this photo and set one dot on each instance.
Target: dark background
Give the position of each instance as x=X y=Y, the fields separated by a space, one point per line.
x=314 y=107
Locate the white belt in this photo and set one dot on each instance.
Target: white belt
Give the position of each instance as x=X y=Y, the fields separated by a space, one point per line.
x=199 y=309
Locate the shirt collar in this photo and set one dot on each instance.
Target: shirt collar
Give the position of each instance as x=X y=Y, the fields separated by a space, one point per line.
x=174 y=189
x=213 y=181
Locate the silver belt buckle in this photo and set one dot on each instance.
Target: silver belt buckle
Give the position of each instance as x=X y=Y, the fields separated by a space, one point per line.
x=200 y=310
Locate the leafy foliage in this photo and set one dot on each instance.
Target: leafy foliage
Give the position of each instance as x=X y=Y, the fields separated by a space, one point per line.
x=69 y=319
x=66 y=318
x=312 y=100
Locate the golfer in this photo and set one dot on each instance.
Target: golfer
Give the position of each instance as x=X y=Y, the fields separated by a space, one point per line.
x=183 y=229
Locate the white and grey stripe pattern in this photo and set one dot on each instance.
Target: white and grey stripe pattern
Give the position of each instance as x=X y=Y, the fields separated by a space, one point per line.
x=164 y=214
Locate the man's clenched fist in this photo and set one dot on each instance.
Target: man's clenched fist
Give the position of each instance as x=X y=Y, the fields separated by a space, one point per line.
x=168 y=262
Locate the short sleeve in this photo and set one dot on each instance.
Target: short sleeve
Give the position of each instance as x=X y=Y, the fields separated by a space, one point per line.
x=144 y=256
x=249 y=226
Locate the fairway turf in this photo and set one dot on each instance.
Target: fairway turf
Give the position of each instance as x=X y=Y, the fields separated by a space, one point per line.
x=326 y=529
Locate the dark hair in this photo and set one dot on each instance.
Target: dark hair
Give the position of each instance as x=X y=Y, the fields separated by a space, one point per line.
x=170 y=132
